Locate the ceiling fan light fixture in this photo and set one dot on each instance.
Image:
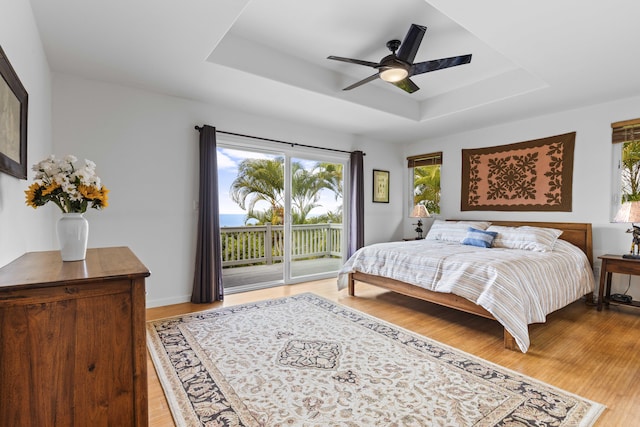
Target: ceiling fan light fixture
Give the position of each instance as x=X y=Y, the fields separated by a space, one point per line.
x=394 y=74
x=396 y=69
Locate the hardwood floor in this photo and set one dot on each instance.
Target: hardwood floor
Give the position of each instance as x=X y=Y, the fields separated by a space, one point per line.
x=593 y=354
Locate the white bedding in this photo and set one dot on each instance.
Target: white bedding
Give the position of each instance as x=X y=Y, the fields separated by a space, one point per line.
x=517 y=287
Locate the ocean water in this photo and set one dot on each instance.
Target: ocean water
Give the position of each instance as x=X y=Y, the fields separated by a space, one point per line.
x=232 y=220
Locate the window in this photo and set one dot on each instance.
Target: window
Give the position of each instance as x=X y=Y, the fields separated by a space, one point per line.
x=281 y=214
x=424 y=180
x=626 y=163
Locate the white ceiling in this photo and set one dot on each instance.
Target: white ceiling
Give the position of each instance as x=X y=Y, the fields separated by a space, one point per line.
x=269 y=56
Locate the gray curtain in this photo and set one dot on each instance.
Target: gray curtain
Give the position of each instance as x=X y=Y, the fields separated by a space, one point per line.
x=207 y=279
x=356 y=213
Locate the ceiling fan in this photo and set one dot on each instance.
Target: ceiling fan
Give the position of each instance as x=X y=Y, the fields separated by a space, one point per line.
x=397 y=69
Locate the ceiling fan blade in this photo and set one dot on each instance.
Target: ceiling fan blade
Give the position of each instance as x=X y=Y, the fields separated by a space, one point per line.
x=354 y=61
x=411 y=43
x=407 y=85
x=438 y=64
x=361 y=82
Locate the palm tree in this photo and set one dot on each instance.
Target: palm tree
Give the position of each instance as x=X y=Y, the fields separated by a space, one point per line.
x=631 y=171
x=426 y=183
x=303 y=192
x=331 y=174
x=260 y=180
x=268 y=216
x=332 y=179
x=263 y=180
x=306 y=186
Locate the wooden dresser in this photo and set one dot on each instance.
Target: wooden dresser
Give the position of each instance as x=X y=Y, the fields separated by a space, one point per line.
x=72 y=340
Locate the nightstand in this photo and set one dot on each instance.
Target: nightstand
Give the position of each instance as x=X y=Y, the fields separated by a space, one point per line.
x=615 y=264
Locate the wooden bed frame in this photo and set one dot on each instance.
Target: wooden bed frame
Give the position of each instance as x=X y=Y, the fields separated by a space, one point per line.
x=576 y=233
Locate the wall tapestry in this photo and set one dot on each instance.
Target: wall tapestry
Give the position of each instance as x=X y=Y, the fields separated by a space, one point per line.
x=526 y=176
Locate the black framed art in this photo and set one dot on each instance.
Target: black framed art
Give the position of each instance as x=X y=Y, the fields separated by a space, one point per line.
x=13 y=121
x=380 y=186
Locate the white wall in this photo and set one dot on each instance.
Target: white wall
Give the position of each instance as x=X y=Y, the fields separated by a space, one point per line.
x=384 y=221
x=146 y=150
x=23 y=229
x=145 y=146
x=591 y=172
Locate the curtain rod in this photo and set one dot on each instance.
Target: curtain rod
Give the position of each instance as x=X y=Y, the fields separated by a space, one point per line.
x=293 y=144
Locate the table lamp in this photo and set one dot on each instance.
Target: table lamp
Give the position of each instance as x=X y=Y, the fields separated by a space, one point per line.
x=419 y=211
x=630 y=212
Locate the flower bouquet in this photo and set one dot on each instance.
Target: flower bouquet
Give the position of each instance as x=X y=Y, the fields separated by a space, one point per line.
x=72 y=189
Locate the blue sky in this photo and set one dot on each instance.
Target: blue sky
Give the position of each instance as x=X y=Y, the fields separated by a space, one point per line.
x=228 y=160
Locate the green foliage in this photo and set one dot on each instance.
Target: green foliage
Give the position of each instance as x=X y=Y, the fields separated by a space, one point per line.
x=263 y=180
x=270 y=216
x=244 y=245
x=631 y=171
x=259 y=180
x=426 y=185
x=329 y=217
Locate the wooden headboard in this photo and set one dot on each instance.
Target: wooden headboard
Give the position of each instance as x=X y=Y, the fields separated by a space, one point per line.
x=576 y=233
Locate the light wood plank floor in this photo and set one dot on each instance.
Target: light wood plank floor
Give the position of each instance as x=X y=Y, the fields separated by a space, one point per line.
x=593 y=354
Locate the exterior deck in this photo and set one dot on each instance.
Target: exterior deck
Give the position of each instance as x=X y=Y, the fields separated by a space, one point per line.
x=240 y=276
x=253 y=254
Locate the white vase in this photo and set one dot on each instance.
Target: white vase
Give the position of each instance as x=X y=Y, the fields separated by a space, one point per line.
x=73 y=232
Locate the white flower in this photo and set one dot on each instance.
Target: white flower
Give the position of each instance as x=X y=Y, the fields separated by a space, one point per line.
x=75 y=196
x=68 y=187
x=61 y=179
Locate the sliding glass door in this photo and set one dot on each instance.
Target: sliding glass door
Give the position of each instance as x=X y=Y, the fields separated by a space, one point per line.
x=281 y=216
x=251 y=198
x=316 y=234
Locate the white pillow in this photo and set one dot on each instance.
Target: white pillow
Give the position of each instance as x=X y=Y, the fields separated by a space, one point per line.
x=453 y=231
x=528 y=238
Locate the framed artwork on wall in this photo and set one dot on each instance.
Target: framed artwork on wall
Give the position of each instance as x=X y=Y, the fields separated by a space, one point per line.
x=13 y=121
x=380 y=186
x=534 y=175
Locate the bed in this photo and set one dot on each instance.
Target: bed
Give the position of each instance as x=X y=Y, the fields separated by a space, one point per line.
x=515 y=284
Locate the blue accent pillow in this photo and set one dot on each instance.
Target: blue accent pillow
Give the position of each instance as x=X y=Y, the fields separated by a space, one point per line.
x=480 y=238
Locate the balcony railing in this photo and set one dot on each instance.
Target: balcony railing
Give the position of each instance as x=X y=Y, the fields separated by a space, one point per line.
x=264 y=244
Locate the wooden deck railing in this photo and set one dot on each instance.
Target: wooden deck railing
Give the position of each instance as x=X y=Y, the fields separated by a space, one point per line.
x=259 y=244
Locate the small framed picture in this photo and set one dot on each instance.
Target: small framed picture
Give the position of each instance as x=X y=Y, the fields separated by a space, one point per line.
x=380 y=186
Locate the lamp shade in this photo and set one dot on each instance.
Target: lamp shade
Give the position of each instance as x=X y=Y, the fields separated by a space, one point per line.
x=420 y=211
x=628 y=212
x=393 y=75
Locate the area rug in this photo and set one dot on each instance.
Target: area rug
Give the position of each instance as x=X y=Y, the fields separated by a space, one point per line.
x=307 y=361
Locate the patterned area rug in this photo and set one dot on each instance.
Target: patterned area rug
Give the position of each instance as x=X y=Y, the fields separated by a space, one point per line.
x=307 y=361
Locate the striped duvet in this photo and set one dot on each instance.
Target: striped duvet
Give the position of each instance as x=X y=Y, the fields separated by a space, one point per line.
x=517 y=287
